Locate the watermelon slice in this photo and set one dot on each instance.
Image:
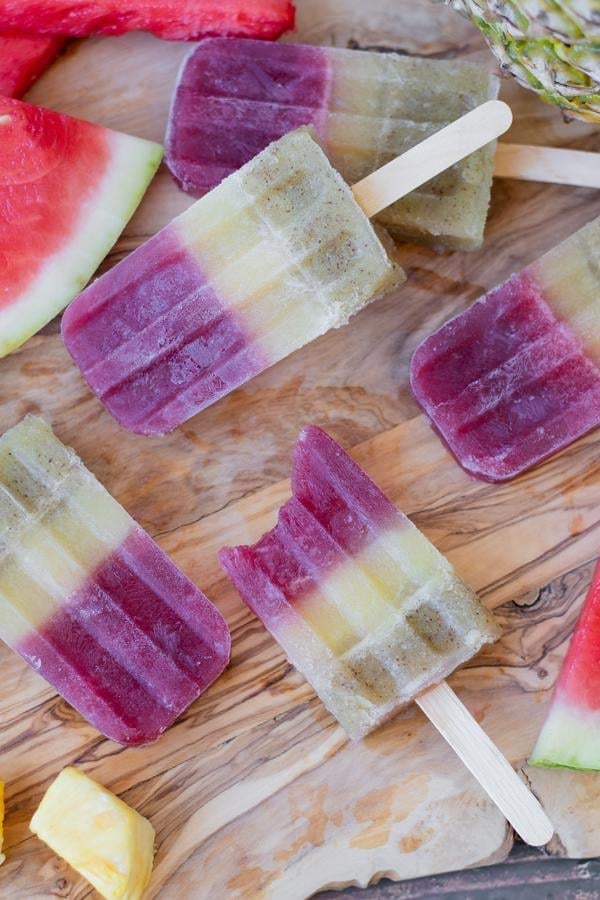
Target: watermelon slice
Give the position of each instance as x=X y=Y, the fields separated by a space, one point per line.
x=67 y=189
x=23 y=58
x=174 y=20
x=571 y=734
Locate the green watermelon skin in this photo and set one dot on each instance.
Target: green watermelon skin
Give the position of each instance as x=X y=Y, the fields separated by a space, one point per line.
x=570 y=736
x=67 y=190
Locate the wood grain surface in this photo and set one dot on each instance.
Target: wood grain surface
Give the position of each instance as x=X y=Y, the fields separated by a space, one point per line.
x=255 y=792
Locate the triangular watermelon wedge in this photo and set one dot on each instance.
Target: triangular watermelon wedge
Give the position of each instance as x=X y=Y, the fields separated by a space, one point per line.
x=67 y=190
x=23 y=58
x=570 y=736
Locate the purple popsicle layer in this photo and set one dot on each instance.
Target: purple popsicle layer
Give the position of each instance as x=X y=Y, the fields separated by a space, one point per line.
x=153 y=340
x=220 y=119
x=133 y=646
x=334 y=513
x=516 y=377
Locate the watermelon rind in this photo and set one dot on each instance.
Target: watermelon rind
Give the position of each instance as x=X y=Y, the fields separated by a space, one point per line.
x=570 y=738
x=133 y=164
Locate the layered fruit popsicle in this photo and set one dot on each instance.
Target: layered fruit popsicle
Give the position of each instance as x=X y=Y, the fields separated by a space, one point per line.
x=173 y=20
x=234 y=97
x=516 y=377
x=67 y=190
x=276 y=255
x=571 y=733
x=90 y=601
x=23 y=58
x=363 y=605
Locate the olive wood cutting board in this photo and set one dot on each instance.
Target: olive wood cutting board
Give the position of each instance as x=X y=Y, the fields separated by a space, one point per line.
x=255 y=792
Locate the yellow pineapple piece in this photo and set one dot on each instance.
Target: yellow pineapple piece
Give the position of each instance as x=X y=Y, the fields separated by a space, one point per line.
x=101 y=837
x=2 y=856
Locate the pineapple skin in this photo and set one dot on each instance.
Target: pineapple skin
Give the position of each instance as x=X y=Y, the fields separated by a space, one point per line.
x=551 y=47
x=102 y=838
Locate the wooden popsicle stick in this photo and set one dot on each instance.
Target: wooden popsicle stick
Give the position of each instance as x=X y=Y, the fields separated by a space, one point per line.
x=433 y=155
x=440 y=704
x=554 y=165
x=483 y=759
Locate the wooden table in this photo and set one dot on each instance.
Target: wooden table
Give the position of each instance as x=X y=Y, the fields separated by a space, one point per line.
x=254 y=792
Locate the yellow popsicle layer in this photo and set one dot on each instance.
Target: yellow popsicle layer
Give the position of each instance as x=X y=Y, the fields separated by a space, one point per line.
x=283 y=243
x=383 y=626
x=57 y=524
x=569 y=276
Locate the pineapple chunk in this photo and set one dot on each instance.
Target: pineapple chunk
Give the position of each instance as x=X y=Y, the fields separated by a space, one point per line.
x=2 y=857
x=101 y=837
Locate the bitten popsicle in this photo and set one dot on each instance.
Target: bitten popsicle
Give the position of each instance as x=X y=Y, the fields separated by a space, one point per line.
x=570 y=736
x=90 y=601
x=373 y=616
x=516 y=377
x=234 y=97
x=361 y=602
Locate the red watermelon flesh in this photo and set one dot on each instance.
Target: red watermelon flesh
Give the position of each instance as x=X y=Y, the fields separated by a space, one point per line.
x=182 y=20
x=570 y=736
x=23 y=58
x=67 y=189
